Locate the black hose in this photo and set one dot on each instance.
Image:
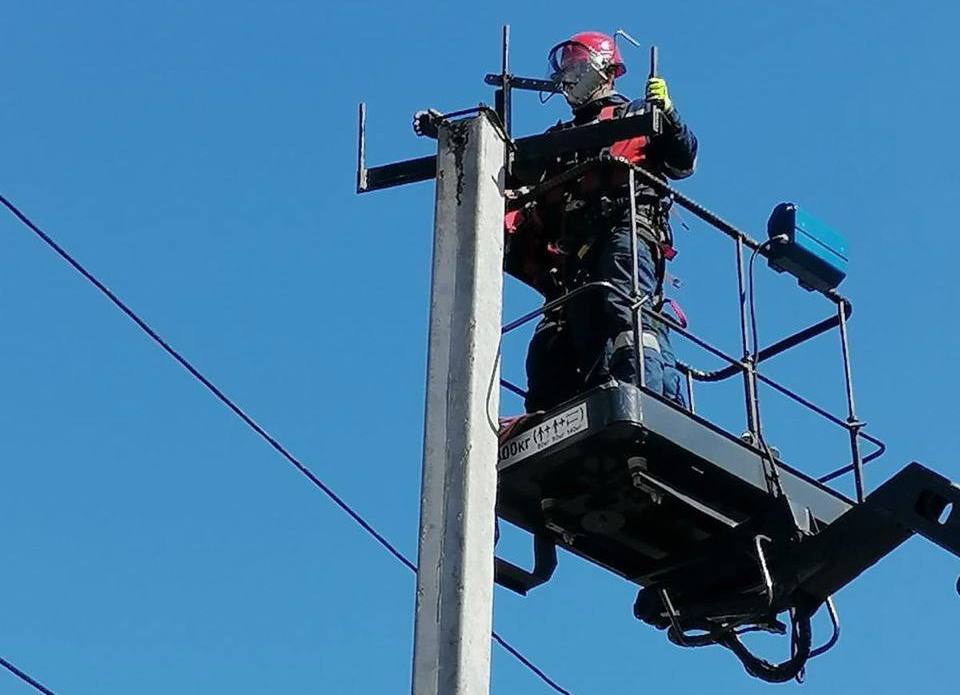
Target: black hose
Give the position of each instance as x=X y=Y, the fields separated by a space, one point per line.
x=728 y=636
x=782 y=672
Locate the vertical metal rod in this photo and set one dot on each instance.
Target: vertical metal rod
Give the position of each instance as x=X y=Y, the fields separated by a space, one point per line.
x=635 y=278
x=690 y=404
x=362 y=150
x=854 y=424
x=749 y=377
x=454 y=604
x=654 y=58
x=507 y=115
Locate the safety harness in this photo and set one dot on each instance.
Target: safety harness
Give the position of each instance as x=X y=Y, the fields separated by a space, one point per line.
x=597 y=197
x=657 y=233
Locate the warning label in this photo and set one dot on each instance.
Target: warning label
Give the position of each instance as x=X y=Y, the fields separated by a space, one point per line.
x=544 y=435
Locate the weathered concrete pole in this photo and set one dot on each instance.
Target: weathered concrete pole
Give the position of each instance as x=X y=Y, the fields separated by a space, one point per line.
x=454 y=611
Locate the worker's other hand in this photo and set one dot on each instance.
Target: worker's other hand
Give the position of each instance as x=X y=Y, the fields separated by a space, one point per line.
x=658 y=94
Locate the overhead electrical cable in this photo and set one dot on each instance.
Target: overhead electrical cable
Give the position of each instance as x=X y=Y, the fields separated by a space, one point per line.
x=25 y=677
x=250 y=422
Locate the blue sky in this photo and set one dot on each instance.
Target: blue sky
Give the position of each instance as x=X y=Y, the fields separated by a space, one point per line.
x=200 y=158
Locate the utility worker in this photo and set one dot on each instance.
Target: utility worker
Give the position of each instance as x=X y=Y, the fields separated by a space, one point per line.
x=591 y=338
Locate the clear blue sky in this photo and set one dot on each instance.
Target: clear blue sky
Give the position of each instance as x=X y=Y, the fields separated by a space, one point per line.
x=200 y=157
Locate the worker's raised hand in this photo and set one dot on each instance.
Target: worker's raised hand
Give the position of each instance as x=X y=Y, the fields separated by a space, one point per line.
x=657 y=93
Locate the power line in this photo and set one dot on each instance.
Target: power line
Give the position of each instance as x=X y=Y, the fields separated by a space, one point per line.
x=26 y=678
x=250 y=422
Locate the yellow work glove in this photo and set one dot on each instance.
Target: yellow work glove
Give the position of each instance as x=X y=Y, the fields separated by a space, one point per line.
x=658 y=94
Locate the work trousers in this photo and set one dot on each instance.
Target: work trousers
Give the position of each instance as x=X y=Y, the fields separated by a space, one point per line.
x=591 y=339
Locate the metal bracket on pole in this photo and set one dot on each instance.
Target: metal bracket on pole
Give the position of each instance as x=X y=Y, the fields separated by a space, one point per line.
x=508 y=82
x=531 y=152
x=519 y=580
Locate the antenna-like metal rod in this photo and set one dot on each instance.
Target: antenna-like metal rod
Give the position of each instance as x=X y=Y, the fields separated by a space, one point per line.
x=362 y=150
x=505 y=56
x=507 y=96
x=653 y=61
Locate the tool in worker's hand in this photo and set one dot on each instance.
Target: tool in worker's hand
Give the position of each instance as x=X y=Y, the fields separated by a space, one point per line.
x=656 y=86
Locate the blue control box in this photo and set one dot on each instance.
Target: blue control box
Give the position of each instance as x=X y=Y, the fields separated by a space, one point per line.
x=814 y=253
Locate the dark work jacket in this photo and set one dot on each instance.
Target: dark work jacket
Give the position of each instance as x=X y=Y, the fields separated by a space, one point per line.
x=671 y=154
x=570 y=220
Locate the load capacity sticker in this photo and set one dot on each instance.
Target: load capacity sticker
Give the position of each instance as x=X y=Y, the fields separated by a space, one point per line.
x=544 y=435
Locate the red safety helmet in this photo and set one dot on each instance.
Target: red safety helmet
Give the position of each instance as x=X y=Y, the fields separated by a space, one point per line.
x=593 y=46
x=583 y=64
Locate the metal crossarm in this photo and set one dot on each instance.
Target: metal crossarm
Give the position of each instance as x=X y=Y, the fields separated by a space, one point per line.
x=530 y=152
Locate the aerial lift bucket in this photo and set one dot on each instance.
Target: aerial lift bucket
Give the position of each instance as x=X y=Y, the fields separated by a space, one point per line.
x=721 y=536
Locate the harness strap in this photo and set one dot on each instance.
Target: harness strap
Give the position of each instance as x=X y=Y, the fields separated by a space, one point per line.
x=677 y=311
x=633 y=149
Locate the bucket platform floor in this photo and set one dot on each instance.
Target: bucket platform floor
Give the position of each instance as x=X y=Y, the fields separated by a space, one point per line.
x=668 y=500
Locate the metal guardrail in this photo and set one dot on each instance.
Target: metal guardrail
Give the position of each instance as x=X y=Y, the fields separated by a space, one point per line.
x=747 y=364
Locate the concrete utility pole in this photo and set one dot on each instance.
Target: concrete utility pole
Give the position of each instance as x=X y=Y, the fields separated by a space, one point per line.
x=454 y=613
